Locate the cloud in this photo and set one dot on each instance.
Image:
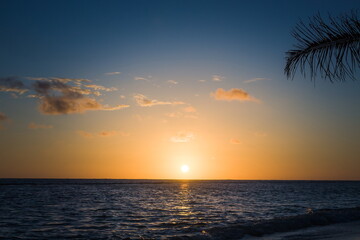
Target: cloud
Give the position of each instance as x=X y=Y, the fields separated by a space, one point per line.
x=80 y=86
x=12 y=84
x=140 y=79
x=187 y=112
x=255 y=80
x=9 y=89
x=54 y=105
x=77 y=81
x=143 y=101
x=234 y=94
x=57 y=96
x=235 y=141
x=217 y=78
x=172 y=82
x=33 y=96
x=61 y=95
x=99 y=87
x=182 y=137
x=117 y=107
x=112 y=73
x=39 y=126
x=202 y=80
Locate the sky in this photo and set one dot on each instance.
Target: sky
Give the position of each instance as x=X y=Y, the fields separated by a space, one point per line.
x=138 y=89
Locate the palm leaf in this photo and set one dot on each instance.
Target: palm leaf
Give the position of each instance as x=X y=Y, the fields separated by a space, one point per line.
x=329 y=49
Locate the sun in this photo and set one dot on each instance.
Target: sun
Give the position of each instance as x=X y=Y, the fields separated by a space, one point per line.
x=185 y=168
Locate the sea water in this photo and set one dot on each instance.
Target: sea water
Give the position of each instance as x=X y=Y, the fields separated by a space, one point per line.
x=160 y=209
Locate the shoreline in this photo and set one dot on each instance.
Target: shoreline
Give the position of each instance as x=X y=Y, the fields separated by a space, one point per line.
x=323 y=224
x=337 y=231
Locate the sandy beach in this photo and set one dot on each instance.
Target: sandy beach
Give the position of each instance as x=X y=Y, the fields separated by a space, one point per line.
x=340 y=231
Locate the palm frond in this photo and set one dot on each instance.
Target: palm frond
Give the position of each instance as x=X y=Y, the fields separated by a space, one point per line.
x=329 y=49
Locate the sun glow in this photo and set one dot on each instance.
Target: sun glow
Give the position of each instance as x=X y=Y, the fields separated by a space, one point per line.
x=185 y=168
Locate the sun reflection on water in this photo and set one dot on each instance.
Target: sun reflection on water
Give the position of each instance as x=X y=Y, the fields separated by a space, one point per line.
x=184 y=198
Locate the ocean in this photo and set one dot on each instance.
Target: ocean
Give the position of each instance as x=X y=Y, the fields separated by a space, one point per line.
x=169 y=209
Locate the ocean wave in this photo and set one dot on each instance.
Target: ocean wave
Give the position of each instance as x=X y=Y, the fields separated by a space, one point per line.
x=313 y=218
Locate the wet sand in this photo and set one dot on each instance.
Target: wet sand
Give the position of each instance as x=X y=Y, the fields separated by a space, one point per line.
x=340 y=231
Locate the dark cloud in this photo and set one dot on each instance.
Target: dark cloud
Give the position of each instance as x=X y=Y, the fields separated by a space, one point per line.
x=61 y=95
x=43 y=87
x=61 y=98
x=12 y=84
x=66 y=105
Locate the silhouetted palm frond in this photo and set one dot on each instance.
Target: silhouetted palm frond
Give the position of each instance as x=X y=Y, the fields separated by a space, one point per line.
x=333 y=49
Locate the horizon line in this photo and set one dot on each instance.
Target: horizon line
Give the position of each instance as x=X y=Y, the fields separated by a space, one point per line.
x=176 y=179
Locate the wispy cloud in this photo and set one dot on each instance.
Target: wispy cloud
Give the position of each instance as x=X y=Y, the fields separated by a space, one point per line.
x=39 y=126
x=202 y=80
x=81 y=85
x=33 y=96
x=217 y=78
x=12 y=84
x=14 y=90
x=255 y=80
x=234 y=94
x=235 y=141
x=143 y=101
x=117 y=107
x=172 y=82
x=187 y=112
x=99 y=87
x=112 y=73
x=77 y=81
x=140 y=79
x=182 y=137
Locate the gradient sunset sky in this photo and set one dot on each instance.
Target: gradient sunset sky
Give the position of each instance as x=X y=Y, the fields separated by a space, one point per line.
x=137 y=89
